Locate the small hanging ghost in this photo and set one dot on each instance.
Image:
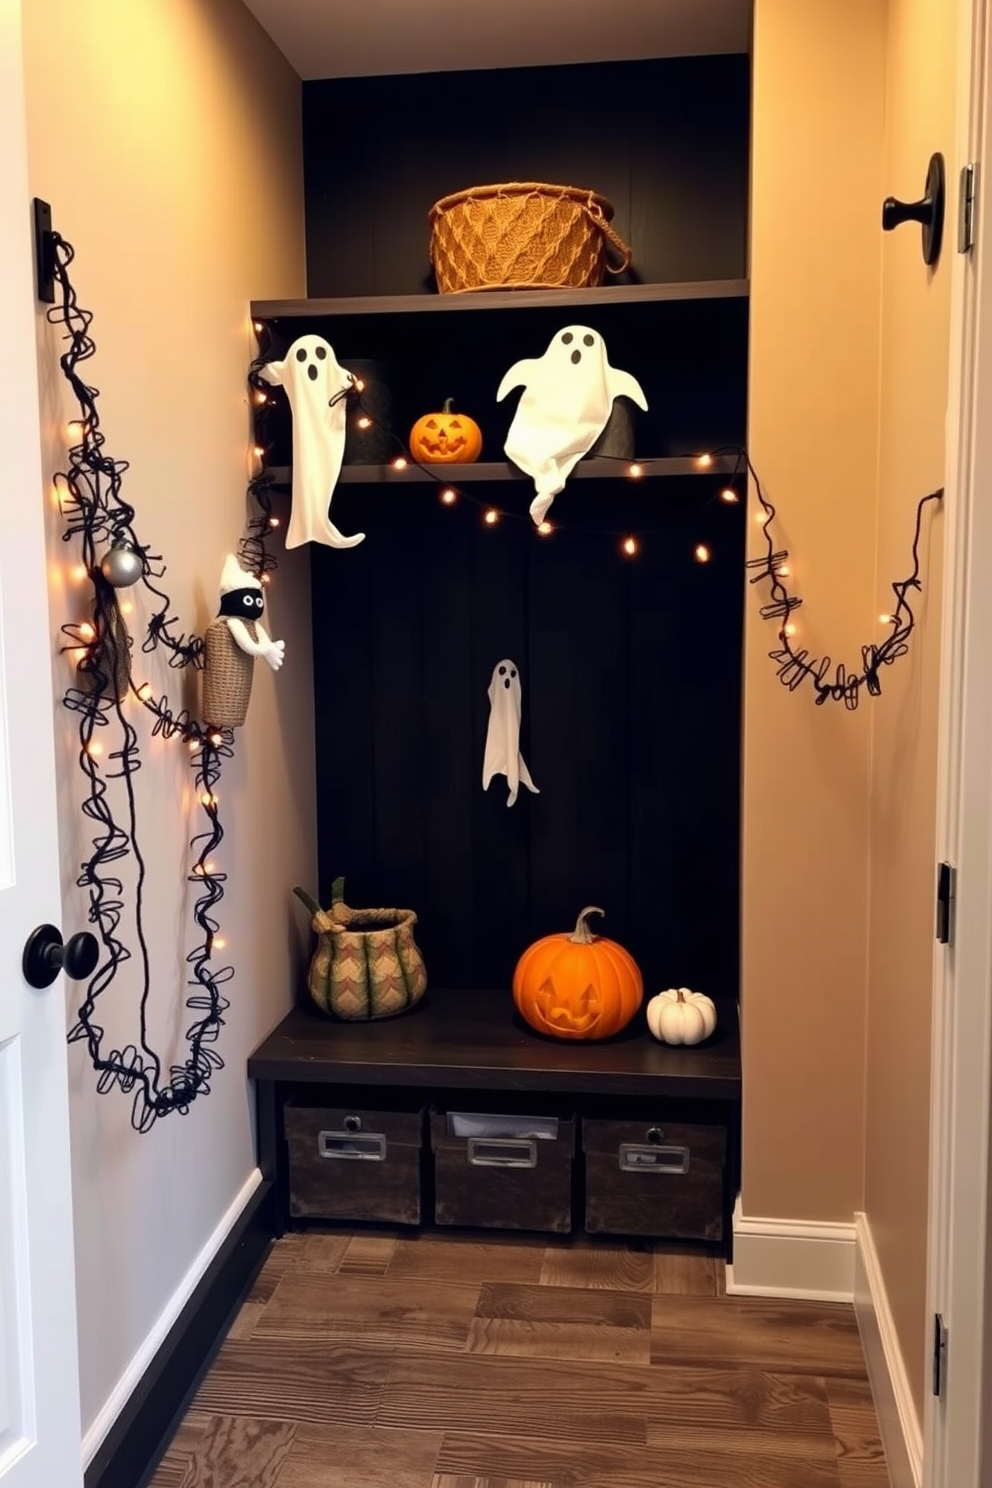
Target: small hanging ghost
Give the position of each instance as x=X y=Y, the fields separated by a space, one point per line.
x=565 y=406
x=317 y=390
x=231 y=643
x=502 y=756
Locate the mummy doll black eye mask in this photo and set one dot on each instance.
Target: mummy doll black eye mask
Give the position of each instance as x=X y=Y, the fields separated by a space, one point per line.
x=316 y=387
x=247 y=604
x=566 y=403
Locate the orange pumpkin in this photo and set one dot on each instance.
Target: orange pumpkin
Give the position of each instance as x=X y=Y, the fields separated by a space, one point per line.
x=446 y=438
x=578 y=986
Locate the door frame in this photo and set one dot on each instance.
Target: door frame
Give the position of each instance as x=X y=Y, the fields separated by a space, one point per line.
x=957 y=1451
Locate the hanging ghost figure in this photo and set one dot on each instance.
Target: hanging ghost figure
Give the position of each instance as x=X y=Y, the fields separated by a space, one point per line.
x=231 y=644
x=566 y=404
x=316 y=387
x=502 y=756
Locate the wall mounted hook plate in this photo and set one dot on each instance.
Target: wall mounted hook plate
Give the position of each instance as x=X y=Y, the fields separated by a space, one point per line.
x=928 y=211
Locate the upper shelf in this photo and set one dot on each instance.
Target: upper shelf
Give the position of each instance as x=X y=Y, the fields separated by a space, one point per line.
x=501 y=299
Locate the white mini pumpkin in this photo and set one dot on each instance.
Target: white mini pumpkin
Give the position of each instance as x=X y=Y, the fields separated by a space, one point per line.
x=679 y=1016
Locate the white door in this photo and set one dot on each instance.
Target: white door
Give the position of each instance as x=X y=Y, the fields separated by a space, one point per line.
x=39 y=1404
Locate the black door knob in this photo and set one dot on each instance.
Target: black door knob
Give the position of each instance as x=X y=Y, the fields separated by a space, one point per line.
x=928 y=211
x=45 y=956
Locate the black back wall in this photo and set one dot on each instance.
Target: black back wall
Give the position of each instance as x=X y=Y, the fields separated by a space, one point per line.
x=631 y=719
x=631 y=669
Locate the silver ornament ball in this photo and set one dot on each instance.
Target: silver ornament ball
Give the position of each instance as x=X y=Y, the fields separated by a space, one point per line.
x=121 y=566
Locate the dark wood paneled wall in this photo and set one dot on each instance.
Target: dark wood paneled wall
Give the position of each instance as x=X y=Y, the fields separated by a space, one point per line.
x=631 y=670
x=666 y=141
x=631 y=699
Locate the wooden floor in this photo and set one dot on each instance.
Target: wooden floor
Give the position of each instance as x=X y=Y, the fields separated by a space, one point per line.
x=370 y=1361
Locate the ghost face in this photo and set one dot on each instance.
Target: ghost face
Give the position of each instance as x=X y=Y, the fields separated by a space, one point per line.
x=579 y=343
x=312 y=361
x=506 y=675
x=244 y=604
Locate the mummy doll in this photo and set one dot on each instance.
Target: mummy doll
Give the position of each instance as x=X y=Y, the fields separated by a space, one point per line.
x=502 y=756
x=317 y=391
x=231 y=644
x=566 y=403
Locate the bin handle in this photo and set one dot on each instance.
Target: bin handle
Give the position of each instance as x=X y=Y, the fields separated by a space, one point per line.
x=502 y=1152
x=636 y=1157
x=352 y=1146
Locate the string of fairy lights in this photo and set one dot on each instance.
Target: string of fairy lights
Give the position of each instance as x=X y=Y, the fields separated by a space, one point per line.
x=113 y=561
x=794 y=662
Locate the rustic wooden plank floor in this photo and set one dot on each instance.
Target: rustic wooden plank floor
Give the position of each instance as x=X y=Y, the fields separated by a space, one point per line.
x=381 y=1361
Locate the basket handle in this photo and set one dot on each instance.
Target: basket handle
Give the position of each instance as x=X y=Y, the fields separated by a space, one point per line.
x=614 y=241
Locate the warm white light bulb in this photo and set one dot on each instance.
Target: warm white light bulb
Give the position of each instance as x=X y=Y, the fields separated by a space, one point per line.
x=219 y=943
x=492 y=516
x=705 y=461
x=79 y=572
x=729 y=495
x=630 y=546
x=784 y=571
x=145 y=691
x=789 y=630
x=702 y=553
x=885 y=619
x=94 y=747
x=635 y=471
x=273 y=521
x=448 y=496
x=86 y=631
x=359 y=385
x=399 y=463
x=545 y=528
x=364 y=422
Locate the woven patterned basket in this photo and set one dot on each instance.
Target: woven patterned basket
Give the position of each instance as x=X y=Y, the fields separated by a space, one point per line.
x=367 y=963
x=523 y=235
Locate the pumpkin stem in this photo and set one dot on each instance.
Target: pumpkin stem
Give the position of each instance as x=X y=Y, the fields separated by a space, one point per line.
x=582 y=935
x=448 y=405
x=679 y=996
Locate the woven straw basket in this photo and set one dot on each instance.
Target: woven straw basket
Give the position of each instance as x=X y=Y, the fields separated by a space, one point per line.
x=523 y=235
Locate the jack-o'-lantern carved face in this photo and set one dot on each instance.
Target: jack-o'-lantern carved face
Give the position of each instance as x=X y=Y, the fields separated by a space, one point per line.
x=573 y=1011
x=446 y=438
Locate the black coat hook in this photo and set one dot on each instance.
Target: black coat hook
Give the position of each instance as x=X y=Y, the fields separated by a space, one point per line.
x=929 y=210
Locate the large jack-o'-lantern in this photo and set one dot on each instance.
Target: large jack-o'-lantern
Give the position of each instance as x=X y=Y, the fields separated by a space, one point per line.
x=578 y=985
x=446 y=438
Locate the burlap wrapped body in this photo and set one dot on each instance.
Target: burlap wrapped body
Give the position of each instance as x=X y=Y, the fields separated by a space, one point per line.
x=367 y=963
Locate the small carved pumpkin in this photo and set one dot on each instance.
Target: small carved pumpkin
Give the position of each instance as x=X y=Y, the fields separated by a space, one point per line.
x=578 y=986
x=446 y=438
x=679 y=1016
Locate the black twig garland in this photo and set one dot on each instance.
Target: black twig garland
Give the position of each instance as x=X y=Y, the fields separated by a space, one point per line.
x=798 y=666
x=794 y=666
x=96 y=513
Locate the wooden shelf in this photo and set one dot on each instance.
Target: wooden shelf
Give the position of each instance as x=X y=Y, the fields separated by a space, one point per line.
x=500 y=299
x=459 y=475
x=475 y=1041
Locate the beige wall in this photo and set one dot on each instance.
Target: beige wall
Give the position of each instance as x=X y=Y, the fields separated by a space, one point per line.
x=919 y=118
x=166 y=136
x=847 y=405
x=813 y=415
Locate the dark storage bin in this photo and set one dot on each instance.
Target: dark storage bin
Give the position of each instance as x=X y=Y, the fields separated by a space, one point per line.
x=661 y=1178
x=509 y=1175
x=348 y=1164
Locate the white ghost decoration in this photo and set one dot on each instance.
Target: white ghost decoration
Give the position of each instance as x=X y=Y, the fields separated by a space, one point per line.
x=502 y=756
x=316 y=387
x=566 y=404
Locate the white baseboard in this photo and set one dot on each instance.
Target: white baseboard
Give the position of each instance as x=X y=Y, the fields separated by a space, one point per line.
x=792 y=1258
x=125 y=1387
x=898 y=1422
